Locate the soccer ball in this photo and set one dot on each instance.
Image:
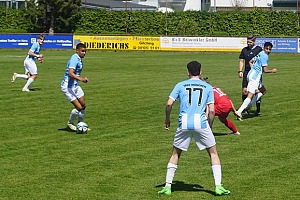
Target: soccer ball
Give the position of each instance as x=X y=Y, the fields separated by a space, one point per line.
x=82 y=127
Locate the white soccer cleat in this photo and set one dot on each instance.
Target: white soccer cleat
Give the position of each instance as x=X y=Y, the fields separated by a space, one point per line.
x=25 y=90
x=239 y=116
x=236 y=133
x=14 y=77
x=71 y=126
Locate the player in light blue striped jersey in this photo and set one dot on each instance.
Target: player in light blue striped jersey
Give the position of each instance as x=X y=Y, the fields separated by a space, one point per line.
x=195 y=97
x=70 y=87
x=31 y=71
x=259 y=65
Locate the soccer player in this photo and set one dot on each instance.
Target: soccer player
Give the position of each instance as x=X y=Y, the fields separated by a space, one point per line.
x=30 y=65
x=223 y=106
x=70 y=88
x=246 y=55
x=258 y=64
x=194 y=96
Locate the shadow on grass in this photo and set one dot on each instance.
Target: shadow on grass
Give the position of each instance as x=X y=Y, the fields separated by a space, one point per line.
x=31 y=89
x=66 y=129
x=220 y=134
x=252 y=114
x=35 y=89
x=182 y=186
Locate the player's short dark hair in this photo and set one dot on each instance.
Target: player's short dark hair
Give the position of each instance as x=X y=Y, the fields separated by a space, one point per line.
x=41 y=37
x=80 y=46
x=268 y=44
x=251 y=37
x=194 y=68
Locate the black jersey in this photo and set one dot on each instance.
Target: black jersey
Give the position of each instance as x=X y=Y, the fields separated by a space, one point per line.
x=247 y=54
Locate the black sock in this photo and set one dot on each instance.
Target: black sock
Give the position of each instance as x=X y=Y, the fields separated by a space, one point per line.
x=258 y=106
x=244 y=97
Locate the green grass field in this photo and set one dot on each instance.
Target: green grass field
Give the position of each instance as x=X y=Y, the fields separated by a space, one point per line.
x=125 y=154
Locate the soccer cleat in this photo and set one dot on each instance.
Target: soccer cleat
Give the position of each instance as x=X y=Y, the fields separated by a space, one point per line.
x=236 y=133
x=25 y=90
x=71 y=126
x=245 y=112
x=14 y=77
x=166 y=190
x=239 y=116
x=221 y=191
x=257 y=113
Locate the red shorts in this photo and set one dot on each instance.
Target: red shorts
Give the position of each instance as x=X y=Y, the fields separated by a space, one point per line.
x=222 y=110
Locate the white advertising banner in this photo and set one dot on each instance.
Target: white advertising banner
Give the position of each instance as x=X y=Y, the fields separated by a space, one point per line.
x=226 y=44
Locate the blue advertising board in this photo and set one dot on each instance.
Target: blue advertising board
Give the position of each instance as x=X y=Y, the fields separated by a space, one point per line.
x=25 y=41
x=286 y=45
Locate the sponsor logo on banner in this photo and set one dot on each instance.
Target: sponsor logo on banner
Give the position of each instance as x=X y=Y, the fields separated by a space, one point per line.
x=287 y=45
x=202 y=43
x=119 y=42
x=25 y=41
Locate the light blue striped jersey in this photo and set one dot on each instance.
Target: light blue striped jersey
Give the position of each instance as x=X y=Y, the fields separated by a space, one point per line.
x=35 y=48
x=260 y=61
x=194 y=95
x=75 y=62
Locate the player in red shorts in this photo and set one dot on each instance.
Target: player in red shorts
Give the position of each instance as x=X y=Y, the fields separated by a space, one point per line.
x=223 y=106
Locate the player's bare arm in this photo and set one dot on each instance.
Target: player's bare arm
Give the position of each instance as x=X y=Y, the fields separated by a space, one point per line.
x=266 y=70
x=251 y=62
x=73 y=75
x=168 y=113
x=211 y=114
x=32 y=54
x=241 y=63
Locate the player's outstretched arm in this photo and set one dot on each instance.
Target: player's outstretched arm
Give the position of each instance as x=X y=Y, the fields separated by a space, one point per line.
x=266 y=70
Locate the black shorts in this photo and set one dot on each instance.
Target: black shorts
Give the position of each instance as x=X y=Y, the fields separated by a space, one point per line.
x=262 y=89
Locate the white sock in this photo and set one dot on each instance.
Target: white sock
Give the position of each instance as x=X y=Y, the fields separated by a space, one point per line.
x=29 y=81
x=22 y=76
x=217 y=173
x=244 y=105
x=255 y=98
x=81 y=115
x=171 y=169
x=73 y=115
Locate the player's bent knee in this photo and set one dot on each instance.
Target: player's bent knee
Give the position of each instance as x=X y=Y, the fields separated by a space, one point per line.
x=82 y=107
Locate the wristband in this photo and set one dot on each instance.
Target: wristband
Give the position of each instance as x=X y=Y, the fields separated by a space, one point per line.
x=37 y=56
x=240 y=71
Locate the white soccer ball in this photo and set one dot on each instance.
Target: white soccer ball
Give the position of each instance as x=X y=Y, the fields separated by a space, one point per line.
x=82 y=127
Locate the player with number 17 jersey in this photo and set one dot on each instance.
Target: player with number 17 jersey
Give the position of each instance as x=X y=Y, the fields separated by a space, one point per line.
x=194 y=94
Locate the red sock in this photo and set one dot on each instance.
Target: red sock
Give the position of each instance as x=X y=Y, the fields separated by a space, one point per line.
x=230 y=125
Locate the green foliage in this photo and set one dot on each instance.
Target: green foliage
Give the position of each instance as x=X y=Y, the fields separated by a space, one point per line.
x=234 y=23
x=59 y=15
x=14 y=21
x=66 y=17
x=258 y=22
